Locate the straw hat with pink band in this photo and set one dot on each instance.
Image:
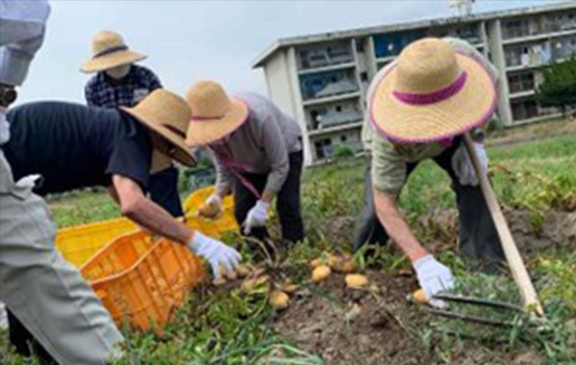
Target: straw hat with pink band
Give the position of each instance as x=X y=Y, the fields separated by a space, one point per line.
x=108 y=51
x=432 y=94
x=215 y=115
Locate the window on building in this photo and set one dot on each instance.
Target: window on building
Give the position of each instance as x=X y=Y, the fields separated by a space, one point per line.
x=521 y=82
x=338 y=108
x=516 y=28
x=524 y=110
x=343 y=138
x=323 y=148
x=364 y=76
x=359 y=46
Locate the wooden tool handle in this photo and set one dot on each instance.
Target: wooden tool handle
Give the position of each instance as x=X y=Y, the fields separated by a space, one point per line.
x=517 y=267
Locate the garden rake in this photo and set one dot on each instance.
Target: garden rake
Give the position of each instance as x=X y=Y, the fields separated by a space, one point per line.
x=531 y=304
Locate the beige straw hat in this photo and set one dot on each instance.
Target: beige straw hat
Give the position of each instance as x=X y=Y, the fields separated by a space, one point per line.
x=168 y=115
x=214 y=114
x=432 y=93
x=108 y=51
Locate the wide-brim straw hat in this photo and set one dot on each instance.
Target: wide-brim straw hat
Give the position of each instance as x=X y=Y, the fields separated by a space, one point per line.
x=108 y=51
x=432 y=93
x=168 y=115
x=215 y=115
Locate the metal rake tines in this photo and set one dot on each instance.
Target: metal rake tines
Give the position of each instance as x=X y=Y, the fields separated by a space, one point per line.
x=478 y=303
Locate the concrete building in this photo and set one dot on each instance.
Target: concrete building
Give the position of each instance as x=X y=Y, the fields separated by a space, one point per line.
x=322 y=80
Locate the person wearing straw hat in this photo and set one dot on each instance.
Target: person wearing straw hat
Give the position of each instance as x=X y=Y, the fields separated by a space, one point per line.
x=72 y=146
x=258 y=156
x=120 y=82
x=419 y=108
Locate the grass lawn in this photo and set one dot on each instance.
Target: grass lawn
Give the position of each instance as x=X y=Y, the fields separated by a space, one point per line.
x=225 y=327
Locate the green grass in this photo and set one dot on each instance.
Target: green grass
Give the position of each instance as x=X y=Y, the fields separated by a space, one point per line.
x=228 y=328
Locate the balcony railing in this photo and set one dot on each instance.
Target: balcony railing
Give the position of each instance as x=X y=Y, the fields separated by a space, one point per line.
x=325 y=58
x=319 y=87
x=528 y=28
x=529 y=56
x=334 y=119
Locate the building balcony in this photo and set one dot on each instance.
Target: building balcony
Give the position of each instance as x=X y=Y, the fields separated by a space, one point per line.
x=330 y=129
x=522 y=94
x=330 y=99
x=318 y=57
x=539 y=36
x=335 y=67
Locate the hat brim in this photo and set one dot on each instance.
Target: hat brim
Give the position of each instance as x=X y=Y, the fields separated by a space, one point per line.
x=202 y=132
x=112 y=60
x=471 y=107
x=182 y=154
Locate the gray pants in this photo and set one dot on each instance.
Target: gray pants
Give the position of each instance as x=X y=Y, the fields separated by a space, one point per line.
x=45 y=293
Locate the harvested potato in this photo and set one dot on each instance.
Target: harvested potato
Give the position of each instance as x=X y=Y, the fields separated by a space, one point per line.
x=243 y=271
x=342 y=264
x=219 y=282
x=210 y=211
x=320 y=273
x=315 y=263
x=290 y=288
x=279 y=300
x=250 y=285
x=355 y=281
x=419 y=296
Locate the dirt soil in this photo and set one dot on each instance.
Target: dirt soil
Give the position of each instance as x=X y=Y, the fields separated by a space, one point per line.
x=349 y=327
x=558 y=229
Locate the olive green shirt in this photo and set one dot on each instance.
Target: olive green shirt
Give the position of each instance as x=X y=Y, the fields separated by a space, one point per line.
x=389 y=160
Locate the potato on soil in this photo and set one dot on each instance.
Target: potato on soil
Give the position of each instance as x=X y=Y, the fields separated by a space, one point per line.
x=315 y=263
x=419 y=296
x=279 y=300
x=250 y=285
x=342 y=264
x=219 y=282
x=290 y=288
x=226 y=274
x=355 y=281
x=320 y=273
x=243 y=271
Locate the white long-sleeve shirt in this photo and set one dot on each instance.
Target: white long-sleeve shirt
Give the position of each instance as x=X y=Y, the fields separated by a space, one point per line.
x=22 y=26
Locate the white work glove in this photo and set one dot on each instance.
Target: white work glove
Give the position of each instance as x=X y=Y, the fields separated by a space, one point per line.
x=212 y=207
x=462 y=164
x=257 y=217
x=434 y=278
x=215 y=252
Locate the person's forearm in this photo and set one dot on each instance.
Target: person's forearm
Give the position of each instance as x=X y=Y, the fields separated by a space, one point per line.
x=151 y=216
x=396 y=226
x=268 y=196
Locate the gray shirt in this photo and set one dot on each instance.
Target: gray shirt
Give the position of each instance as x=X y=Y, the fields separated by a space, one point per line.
x=261 y=145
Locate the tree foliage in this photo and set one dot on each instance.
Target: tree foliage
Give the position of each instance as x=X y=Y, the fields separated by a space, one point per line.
x=559 y=86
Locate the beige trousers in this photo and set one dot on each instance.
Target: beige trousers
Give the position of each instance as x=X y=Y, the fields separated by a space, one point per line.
x=45 y=293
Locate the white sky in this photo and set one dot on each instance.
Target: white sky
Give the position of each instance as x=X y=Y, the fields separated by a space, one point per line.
x=192 y=40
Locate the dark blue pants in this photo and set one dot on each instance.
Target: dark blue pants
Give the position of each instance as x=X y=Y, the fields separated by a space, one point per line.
x=287 y=201
x=478 y=236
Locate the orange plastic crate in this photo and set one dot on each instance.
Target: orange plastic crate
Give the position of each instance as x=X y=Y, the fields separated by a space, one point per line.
x=141 y=282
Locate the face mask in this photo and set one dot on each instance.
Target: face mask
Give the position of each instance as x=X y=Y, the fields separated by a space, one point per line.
x=118 y=72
